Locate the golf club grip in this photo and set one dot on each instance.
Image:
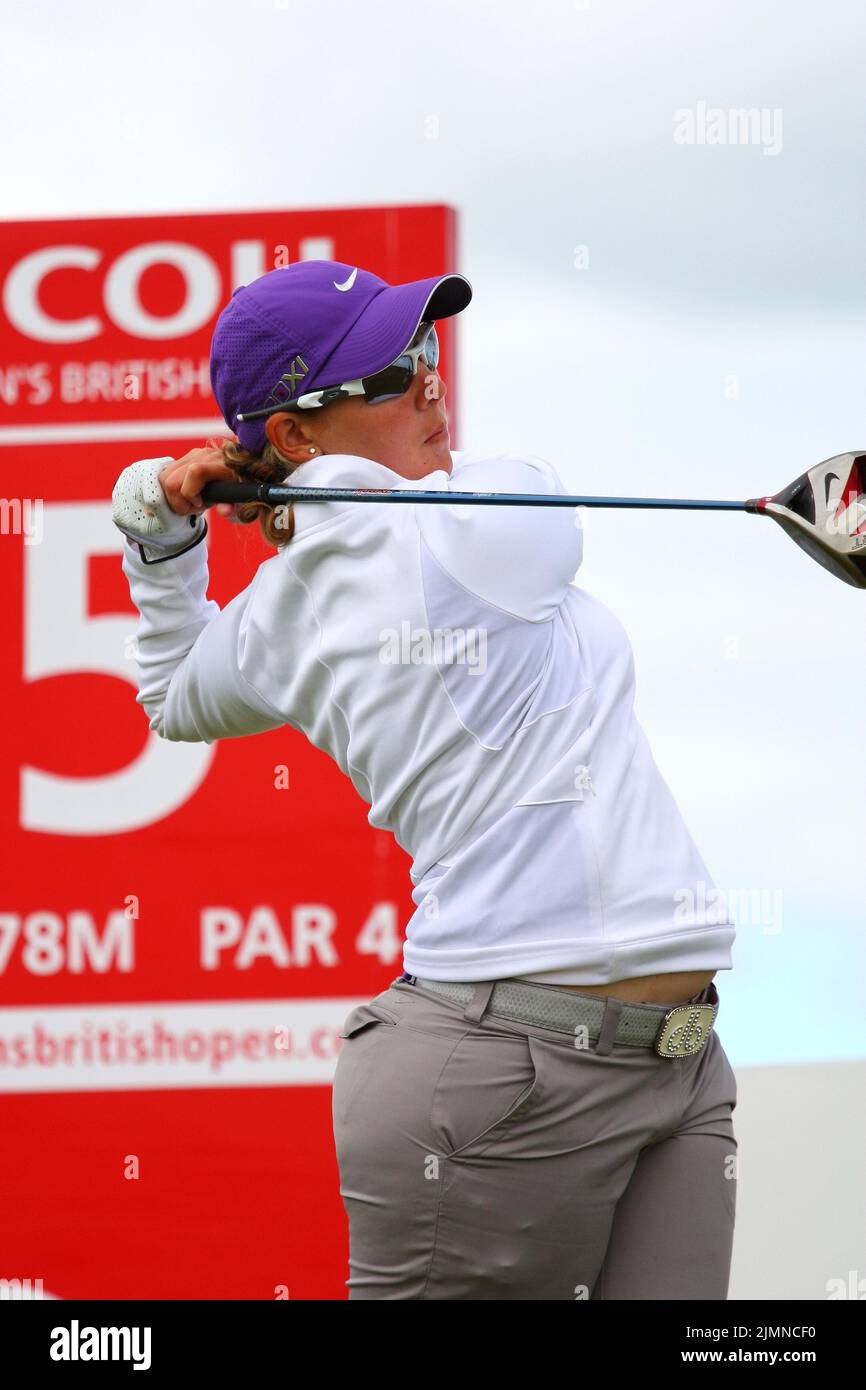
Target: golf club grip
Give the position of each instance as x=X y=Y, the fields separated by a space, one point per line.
x=232 y=492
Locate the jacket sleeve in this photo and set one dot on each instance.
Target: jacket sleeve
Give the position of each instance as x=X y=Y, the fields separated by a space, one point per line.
x=190 y=652
x=522 y=559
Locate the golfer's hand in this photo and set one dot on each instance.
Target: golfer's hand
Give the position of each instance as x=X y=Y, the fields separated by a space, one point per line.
x=183 y=479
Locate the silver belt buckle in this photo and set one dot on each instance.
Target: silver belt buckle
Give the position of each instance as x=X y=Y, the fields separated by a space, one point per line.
x=685 y=1030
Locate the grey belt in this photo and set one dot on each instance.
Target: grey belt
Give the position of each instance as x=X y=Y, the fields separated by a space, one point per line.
x=678 y=1032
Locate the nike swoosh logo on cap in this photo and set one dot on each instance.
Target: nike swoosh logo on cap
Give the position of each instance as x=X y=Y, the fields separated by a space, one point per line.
x=347 y=284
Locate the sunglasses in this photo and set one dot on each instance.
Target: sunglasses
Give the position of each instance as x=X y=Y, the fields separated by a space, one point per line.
x=392 y=381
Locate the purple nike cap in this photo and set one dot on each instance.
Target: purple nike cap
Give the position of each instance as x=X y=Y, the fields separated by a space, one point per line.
x=314 y=324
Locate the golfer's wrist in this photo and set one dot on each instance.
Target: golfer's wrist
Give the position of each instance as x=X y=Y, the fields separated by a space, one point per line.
x=172 y=543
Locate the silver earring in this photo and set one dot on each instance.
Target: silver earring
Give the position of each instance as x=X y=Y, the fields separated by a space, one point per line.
x=312 y=451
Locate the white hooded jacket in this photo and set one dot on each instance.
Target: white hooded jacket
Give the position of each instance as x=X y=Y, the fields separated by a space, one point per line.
x=480 y=702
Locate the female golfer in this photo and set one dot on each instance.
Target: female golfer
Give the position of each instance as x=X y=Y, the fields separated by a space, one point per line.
x=539 y=1107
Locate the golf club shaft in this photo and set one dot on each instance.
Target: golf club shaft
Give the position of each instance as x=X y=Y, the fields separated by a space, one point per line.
x=276 y=494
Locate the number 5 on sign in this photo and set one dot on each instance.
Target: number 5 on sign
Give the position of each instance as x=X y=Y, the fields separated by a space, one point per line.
x=60 y=638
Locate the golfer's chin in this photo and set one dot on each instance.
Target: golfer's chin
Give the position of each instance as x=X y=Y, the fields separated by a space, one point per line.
x=433 y=458
x=437 y=454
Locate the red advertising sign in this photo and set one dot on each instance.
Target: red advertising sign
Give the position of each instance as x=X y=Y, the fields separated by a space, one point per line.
x=183 y=928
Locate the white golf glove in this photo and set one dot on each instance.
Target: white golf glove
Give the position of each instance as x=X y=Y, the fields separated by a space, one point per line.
x=139 y=509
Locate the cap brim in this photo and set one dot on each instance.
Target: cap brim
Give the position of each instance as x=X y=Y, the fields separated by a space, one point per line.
x=389 y=323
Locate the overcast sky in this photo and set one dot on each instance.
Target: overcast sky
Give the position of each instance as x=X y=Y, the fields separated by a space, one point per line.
x=655 y=311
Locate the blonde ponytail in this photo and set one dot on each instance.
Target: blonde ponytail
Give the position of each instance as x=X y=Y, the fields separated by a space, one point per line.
x=277 y=525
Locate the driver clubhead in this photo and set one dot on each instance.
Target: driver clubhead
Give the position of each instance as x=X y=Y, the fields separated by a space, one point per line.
x=824 y=511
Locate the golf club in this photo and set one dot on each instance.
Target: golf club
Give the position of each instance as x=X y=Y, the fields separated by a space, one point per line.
x=823 y=511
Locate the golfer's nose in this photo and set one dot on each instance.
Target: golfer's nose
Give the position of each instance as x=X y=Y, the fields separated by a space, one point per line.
x=429 y=384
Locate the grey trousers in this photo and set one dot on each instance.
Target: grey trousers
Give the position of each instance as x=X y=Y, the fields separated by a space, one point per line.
x=482 y=1158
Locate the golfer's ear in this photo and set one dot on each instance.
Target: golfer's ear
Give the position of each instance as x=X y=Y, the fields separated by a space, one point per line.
x=521 y=559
